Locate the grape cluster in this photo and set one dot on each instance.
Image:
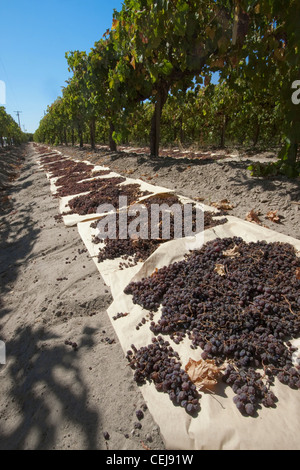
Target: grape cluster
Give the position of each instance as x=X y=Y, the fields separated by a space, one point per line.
x=160 y=364
x=244 y=313
x=51 y=157
x=250 y=389
x=108 y=193
x=64 y=166
x=69 y=180
x=120 y=315
x=42 y=149
x=139 y=248
x=72 y=343
x=144 y=320
x=72 y=188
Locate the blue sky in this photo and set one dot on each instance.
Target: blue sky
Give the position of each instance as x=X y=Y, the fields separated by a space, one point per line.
x=34 y=37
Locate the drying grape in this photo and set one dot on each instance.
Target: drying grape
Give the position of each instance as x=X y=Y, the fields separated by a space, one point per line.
x=108 y=191
x=139 y=414
x=245 y=313
x=159 y=363
x=72 y=183
x=139 y=249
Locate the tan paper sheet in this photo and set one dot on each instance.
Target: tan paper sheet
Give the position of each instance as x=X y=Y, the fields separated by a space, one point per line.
x=219 y=425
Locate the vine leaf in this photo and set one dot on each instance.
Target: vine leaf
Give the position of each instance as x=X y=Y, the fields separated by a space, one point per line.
x=115 y=24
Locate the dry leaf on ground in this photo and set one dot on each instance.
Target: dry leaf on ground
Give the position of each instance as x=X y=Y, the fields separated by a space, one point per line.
x=272 y=215
x=298 y=273
x=224 y=204
x=203 y=373
x=252 y=216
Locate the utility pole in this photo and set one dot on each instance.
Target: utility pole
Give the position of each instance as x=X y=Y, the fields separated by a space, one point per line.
x=18 y=114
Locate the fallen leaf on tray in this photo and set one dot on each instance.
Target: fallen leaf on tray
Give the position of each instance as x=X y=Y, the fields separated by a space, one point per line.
x=203 y=373
x=220 y=269
x=232 y=253
x=298 y=273
x=224 y=204
x=272 y=215
x=154 y=272
x=253 y=217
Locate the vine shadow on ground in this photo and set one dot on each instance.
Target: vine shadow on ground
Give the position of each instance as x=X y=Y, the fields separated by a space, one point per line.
x=34 y=369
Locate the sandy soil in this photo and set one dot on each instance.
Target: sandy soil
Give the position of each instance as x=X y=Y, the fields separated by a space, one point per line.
x=212 y=176
x=55 y=395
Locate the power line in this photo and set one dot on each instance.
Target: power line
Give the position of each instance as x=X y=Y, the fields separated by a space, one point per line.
x=18 y=114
